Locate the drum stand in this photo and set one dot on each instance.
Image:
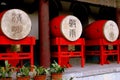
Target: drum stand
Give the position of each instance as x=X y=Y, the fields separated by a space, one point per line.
x=104 y=50
x=63 y=50
x=13 y=56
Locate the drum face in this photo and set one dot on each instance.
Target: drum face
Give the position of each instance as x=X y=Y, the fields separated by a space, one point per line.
x=111 y=31
x=71 y=28
x=15 y=24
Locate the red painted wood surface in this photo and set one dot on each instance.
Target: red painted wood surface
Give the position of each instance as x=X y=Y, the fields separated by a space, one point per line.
x=15 y=56
x=103 y=52
x=95 y=30
x=63 y=54
x=55 y=25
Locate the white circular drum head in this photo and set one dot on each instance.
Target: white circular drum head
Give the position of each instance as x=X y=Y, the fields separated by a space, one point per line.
x=111 y=31
x=71 y=28
x=15 y=24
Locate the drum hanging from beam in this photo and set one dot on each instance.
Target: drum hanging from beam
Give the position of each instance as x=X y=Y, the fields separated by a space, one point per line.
x=106 y=29
x=67 y=26
x=15 y=24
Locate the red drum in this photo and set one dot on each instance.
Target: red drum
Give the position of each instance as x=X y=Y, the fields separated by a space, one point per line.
x=68 y=26
x=15 y=24
x=107 y=29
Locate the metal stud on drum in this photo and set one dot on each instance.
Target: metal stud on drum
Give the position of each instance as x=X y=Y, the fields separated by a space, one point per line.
x=15 y=24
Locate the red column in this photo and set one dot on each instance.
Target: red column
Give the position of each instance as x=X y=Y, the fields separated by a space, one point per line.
x=44 y=33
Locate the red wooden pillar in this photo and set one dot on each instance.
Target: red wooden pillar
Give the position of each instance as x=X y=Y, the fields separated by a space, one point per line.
x=44 y=33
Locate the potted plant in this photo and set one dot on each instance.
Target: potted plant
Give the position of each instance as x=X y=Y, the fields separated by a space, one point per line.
x=23 y=73
x=40 y=73
x=6 y=71
x=56 y=71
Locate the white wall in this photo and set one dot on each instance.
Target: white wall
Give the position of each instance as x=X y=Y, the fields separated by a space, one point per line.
x=35 y=28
